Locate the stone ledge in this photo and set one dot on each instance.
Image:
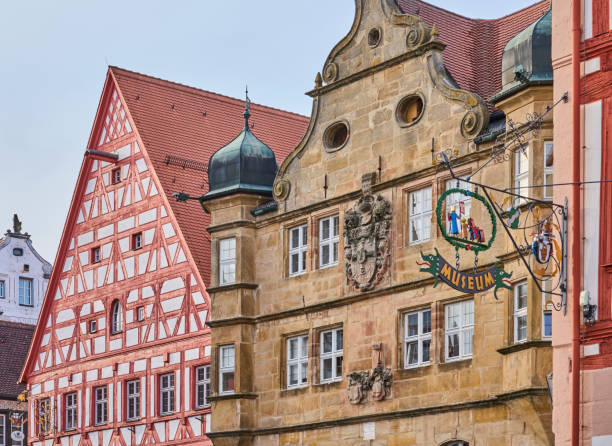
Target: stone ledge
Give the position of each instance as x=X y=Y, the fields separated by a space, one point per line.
x=523 y=346
x=233 y=396
x=231 y=225
x=233 y=286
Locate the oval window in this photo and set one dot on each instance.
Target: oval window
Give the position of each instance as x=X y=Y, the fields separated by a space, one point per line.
x=17 y=251
x=409 y=110
x=374 y=37
x=336 y=136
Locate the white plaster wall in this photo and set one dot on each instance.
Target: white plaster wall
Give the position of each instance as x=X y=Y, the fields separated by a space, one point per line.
x=11 y=269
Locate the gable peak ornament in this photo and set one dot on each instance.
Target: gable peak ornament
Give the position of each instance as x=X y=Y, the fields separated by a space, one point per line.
x=366 y=237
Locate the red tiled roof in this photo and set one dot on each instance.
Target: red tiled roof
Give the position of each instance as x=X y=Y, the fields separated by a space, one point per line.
x=474 y=46
x=190 y=123
x=14 y=344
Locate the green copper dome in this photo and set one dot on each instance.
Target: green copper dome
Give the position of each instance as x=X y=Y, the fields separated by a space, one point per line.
x=526 y=59
x=244 y=165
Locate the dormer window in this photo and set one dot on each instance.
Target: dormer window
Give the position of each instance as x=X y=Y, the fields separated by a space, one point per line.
x=116 y=175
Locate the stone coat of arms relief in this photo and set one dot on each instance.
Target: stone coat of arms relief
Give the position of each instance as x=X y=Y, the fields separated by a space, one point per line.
x=366 y=238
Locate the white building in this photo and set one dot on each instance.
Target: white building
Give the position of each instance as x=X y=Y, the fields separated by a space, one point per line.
x=24 y=276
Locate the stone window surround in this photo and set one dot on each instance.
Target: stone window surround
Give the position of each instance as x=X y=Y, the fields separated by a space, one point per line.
x=519 y=312
x=300 y=361
x=419 y=338
x=334 y=354
x=227 y=369
x=313 y=244
x=302 y=248
x=286 y=228
x=226 y=261
x=422 y=214
x=328 y=242
x=462 y=328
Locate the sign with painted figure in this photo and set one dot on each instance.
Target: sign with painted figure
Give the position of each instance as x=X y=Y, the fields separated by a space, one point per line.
x=471 y=237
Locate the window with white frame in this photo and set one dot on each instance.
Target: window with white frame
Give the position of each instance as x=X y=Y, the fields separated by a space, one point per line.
x=297 y=361
x=520 y=311
x=101 y=405
x=331 y=355
x=166 y=394
x=298 y=242
x=226 y=369
x=521 y=174
x=2 y=290
x=547 y=307
x=329 y=236
x=227 y=261
x=459 y=318
x=132 y=394
x=548 y=169
x=45 y=416
x=420 y=215
x=461 y=203
x=417 y=338
x=25 y=292
x=70 y=402
x=202 y=376
x=2 y=430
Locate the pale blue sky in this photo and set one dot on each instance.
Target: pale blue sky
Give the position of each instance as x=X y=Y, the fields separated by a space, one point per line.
x=54 y=55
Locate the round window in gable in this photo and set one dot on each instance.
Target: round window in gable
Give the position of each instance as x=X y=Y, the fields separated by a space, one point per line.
x=336 y=136
x=409 y=110
x=374 y=37
x=18 y=252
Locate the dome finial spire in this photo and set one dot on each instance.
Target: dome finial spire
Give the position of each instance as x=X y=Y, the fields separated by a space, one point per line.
x=247 y=107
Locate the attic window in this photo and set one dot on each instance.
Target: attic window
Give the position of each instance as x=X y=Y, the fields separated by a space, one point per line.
x=116 y=175
x=336 y=136
x=26 y=268
x=374 y=37
x=409 y=110
x=18 y=252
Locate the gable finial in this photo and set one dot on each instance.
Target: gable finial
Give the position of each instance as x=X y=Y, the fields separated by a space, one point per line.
x=16 y=224
x=247 y=107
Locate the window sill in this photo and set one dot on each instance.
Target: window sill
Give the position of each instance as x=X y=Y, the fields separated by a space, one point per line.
x=412 y=372
x=232 y=286
x=26 y=305
x=294 y=391
x=524 y=345
x=328 y=266
x=328 y=385
x=460 y=363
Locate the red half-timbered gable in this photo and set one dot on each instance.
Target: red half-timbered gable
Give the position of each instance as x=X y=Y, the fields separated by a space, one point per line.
x=120 y=352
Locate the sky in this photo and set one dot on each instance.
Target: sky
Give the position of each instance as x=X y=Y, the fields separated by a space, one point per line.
x=54 y=56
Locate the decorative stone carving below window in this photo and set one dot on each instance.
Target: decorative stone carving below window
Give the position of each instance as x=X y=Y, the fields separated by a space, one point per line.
x=377 y=382
x=366 y=238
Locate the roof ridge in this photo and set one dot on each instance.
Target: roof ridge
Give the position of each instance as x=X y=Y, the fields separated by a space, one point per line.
x=195 y=90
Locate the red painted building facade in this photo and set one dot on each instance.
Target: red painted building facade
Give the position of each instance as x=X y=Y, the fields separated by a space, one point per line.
x=121 y=352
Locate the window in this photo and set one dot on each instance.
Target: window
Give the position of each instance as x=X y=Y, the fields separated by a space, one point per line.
x=70 y=403
x=116 y=175
x=548 y=169
x=93 y=326
x=2 y=433
x=521 y=174
x=166 y=394
x=417 y=338
x=116 y=316
x=420 y=215
x=547 y=308
x=140 y=314
x=25 y=292
x=137 y=240
x=331 y=355
x=26 y=268
x=202 y=386
x=2 y=290
x=297 y=361
x=44 y=416
x=18 y=252
x=298 y=240
x=460 y=202
x=329 y=229
x=520 y=311
x=95 y=255
x=132 y=393
x=227 y=261
x=226 y=369
x=457 y=443
x=101 y=405
x=459 y=330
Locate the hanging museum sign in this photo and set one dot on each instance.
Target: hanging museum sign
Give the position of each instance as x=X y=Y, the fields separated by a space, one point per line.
x=464 y=233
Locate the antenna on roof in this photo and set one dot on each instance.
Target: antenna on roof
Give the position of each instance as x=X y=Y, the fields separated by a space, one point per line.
x=247 y=107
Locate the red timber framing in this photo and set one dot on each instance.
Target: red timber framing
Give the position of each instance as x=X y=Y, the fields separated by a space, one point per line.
x=127 y=298
x=595 y=86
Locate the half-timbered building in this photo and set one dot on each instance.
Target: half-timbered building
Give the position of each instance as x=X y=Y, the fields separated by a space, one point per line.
x=121 y=352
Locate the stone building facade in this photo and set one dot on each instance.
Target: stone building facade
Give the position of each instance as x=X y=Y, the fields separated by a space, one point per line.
x=326 y=328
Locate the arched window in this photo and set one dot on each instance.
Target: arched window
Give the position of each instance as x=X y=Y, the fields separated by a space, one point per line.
x=456 y=443
x=116 y=317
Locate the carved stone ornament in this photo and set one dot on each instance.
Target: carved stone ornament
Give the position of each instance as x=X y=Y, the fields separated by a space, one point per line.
x=377 y=382
x=281 y=189
x=366 y=238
